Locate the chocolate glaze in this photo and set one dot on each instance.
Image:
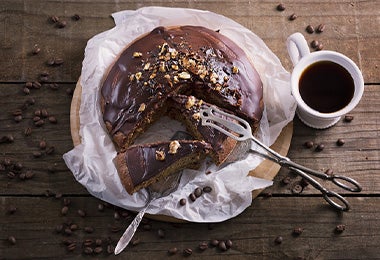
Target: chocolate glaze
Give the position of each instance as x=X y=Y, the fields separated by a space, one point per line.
x=143 y=165
x=186 y=59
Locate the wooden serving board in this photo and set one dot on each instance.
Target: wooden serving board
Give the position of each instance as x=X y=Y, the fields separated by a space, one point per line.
x=266 y=170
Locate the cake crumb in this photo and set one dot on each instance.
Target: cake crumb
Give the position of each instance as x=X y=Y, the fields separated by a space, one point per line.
x=160 y=155
x=173 y=147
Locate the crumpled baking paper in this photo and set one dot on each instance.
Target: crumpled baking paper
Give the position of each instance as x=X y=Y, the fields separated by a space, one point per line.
x=92 y=161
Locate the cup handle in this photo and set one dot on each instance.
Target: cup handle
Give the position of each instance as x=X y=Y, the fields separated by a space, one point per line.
x=297 y=47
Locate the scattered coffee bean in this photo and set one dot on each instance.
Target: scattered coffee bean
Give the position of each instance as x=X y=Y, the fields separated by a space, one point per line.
x=110 y=249
x=297 y=231
x=71 y=247
x=292 y=17
x=36 y=85
x=58 y=61
x=17 y=112
x=172 y=251
x=81 y=213
x=100 y=207
x=18 y=119
x=115 y=229
x=161 y=233
x=42 y=145
x=88 y=230
x=207 y=189
x=192 y=197
x=319 y=147
x=88 y=250
x=281 y=7
x=297 y=189
x=26 y=91
x=11 y=209
x=39 y=122
x=68 y=231
x=203 y=246
x=53 y=19
x=61 y=24
x=116 y=215
x=320 y=28
x=182 y=202
x=340 y=228
x=7 y=139
x=98 y=242
x=310 y=29
x=12 y=240
x=198 y=192
x=228 y=243
x=75 y=17
x=135 y=241
x=28 y=131
x=11 y=175
x=36 y=49
x=66 y=201
x=88 y=242
x=214 y=242
x=98 y=250
x=187 y=252
x=314 y=44
x=278 y=240
x=348 y=118
x=340 y=142
x=319 y=47
x=64 y=210
x=329 y=172
x=73 y=227
x=222 y=246
x=37 y=154
x=29 y=174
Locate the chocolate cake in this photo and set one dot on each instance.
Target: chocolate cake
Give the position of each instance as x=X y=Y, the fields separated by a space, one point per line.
x=141 y=165
x=148 y=77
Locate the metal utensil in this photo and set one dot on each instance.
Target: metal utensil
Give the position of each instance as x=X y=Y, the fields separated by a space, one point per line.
x=157 y=190
x=240 y=130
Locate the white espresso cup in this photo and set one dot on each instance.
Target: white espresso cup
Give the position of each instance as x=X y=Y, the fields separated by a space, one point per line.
x=325 y=84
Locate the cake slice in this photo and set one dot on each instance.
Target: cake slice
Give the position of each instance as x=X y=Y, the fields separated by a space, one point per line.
x=141 y=165
x=187 y=110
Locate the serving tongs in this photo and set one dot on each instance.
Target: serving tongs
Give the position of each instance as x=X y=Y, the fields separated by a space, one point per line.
x=240 y=130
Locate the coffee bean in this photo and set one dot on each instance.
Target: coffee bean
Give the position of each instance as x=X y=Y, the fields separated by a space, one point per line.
x=222 y=246
x=329 y=172
x=54 y=86
x=278 y=240
x=26 y=91
x=228 y=243
x=280 y=7
x=61 y=24
x=36 y=49
x=7 y=139
x=214 y=242
x=37 y=154
x=88 y=250
x=135 y=241
x=116 y=215
x=203 y=246
x=348 y=118
x=320 y=28
x=161 y=233
x=81 y=213
x=64 y=210
x=314 y=44
x=28 y=131
x=71 y=247
x=340 y=142
x=11 y=209
x=98 y=250
x=36 y=85
x=286 y=180
x=18 y=119
x=192 y=197
x=53 y=19
x=39 y=122
x=73 y=227
x=88 y=242
x=17 y=112
x=310 y=29
x=100 y=207
x=42 y=145
x=66 y=201
x=98 y=242
x=319 y=147
x=7 y=162
x=44 y=113
x=198 y=192
x=340 y=228
x=187 y=252
x=297 y=231
x=292 y=17
x=29 y=174
x=110 y=249
x=50 y=62
x=207 y=189
x=75 y=17
x=58 y=61
x=11 y=175
x=12 y=240
x=88 y=230
x=70 y=91
x=68 y=231
x=319 y=47
x=172 y=251
x=182 y=202
x=297 y=189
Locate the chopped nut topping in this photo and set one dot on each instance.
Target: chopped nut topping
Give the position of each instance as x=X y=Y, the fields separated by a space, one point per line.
x=160 y=155
x=225 y=78
x=190 y=102
x=197 y=116
x=235 y=70
x=142 y=107
x=175 y=79
x=137 y=54
x=173 y=53
x=173 y=147
x=152 y=76
x=132 y=77
x=175 y=67
x=162 y=67
x=184 y=75
x=164 y=48
x=138 y=75
x=146 y=66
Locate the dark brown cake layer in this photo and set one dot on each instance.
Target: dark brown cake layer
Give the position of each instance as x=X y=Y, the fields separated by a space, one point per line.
x=187 y=59
x=141 y=165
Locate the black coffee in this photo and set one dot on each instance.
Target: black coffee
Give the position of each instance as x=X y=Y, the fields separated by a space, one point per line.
x=326 y=86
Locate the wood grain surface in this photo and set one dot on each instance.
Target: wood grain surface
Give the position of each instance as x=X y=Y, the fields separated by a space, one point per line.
x=32 y=199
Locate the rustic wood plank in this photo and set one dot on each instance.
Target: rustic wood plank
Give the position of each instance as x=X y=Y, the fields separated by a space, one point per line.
x=252 y=233
x=349 y=29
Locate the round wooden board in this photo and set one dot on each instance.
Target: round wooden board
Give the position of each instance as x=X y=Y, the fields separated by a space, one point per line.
x=266 y=170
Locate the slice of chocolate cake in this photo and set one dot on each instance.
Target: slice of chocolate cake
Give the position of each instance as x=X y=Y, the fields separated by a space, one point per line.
x=141 y=165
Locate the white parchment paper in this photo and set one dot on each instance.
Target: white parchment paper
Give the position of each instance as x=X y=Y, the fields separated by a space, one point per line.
x=92 y=161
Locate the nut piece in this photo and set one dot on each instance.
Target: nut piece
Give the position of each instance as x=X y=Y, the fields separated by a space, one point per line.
x=235 y=70
x=160 y=155
x=190 y=102
x=196 y=116
x=184 y=75
x=173 y=147
x=142 y=107
x=136 y=54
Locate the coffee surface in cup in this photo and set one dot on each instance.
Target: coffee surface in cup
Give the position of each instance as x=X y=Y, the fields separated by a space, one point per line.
x=326 y=86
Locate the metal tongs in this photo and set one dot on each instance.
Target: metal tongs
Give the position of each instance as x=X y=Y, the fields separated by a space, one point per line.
x=240 y=130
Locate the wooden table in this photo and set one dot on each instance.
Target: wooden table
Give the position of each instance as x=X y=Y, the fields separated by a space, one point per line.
x=33 y=197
